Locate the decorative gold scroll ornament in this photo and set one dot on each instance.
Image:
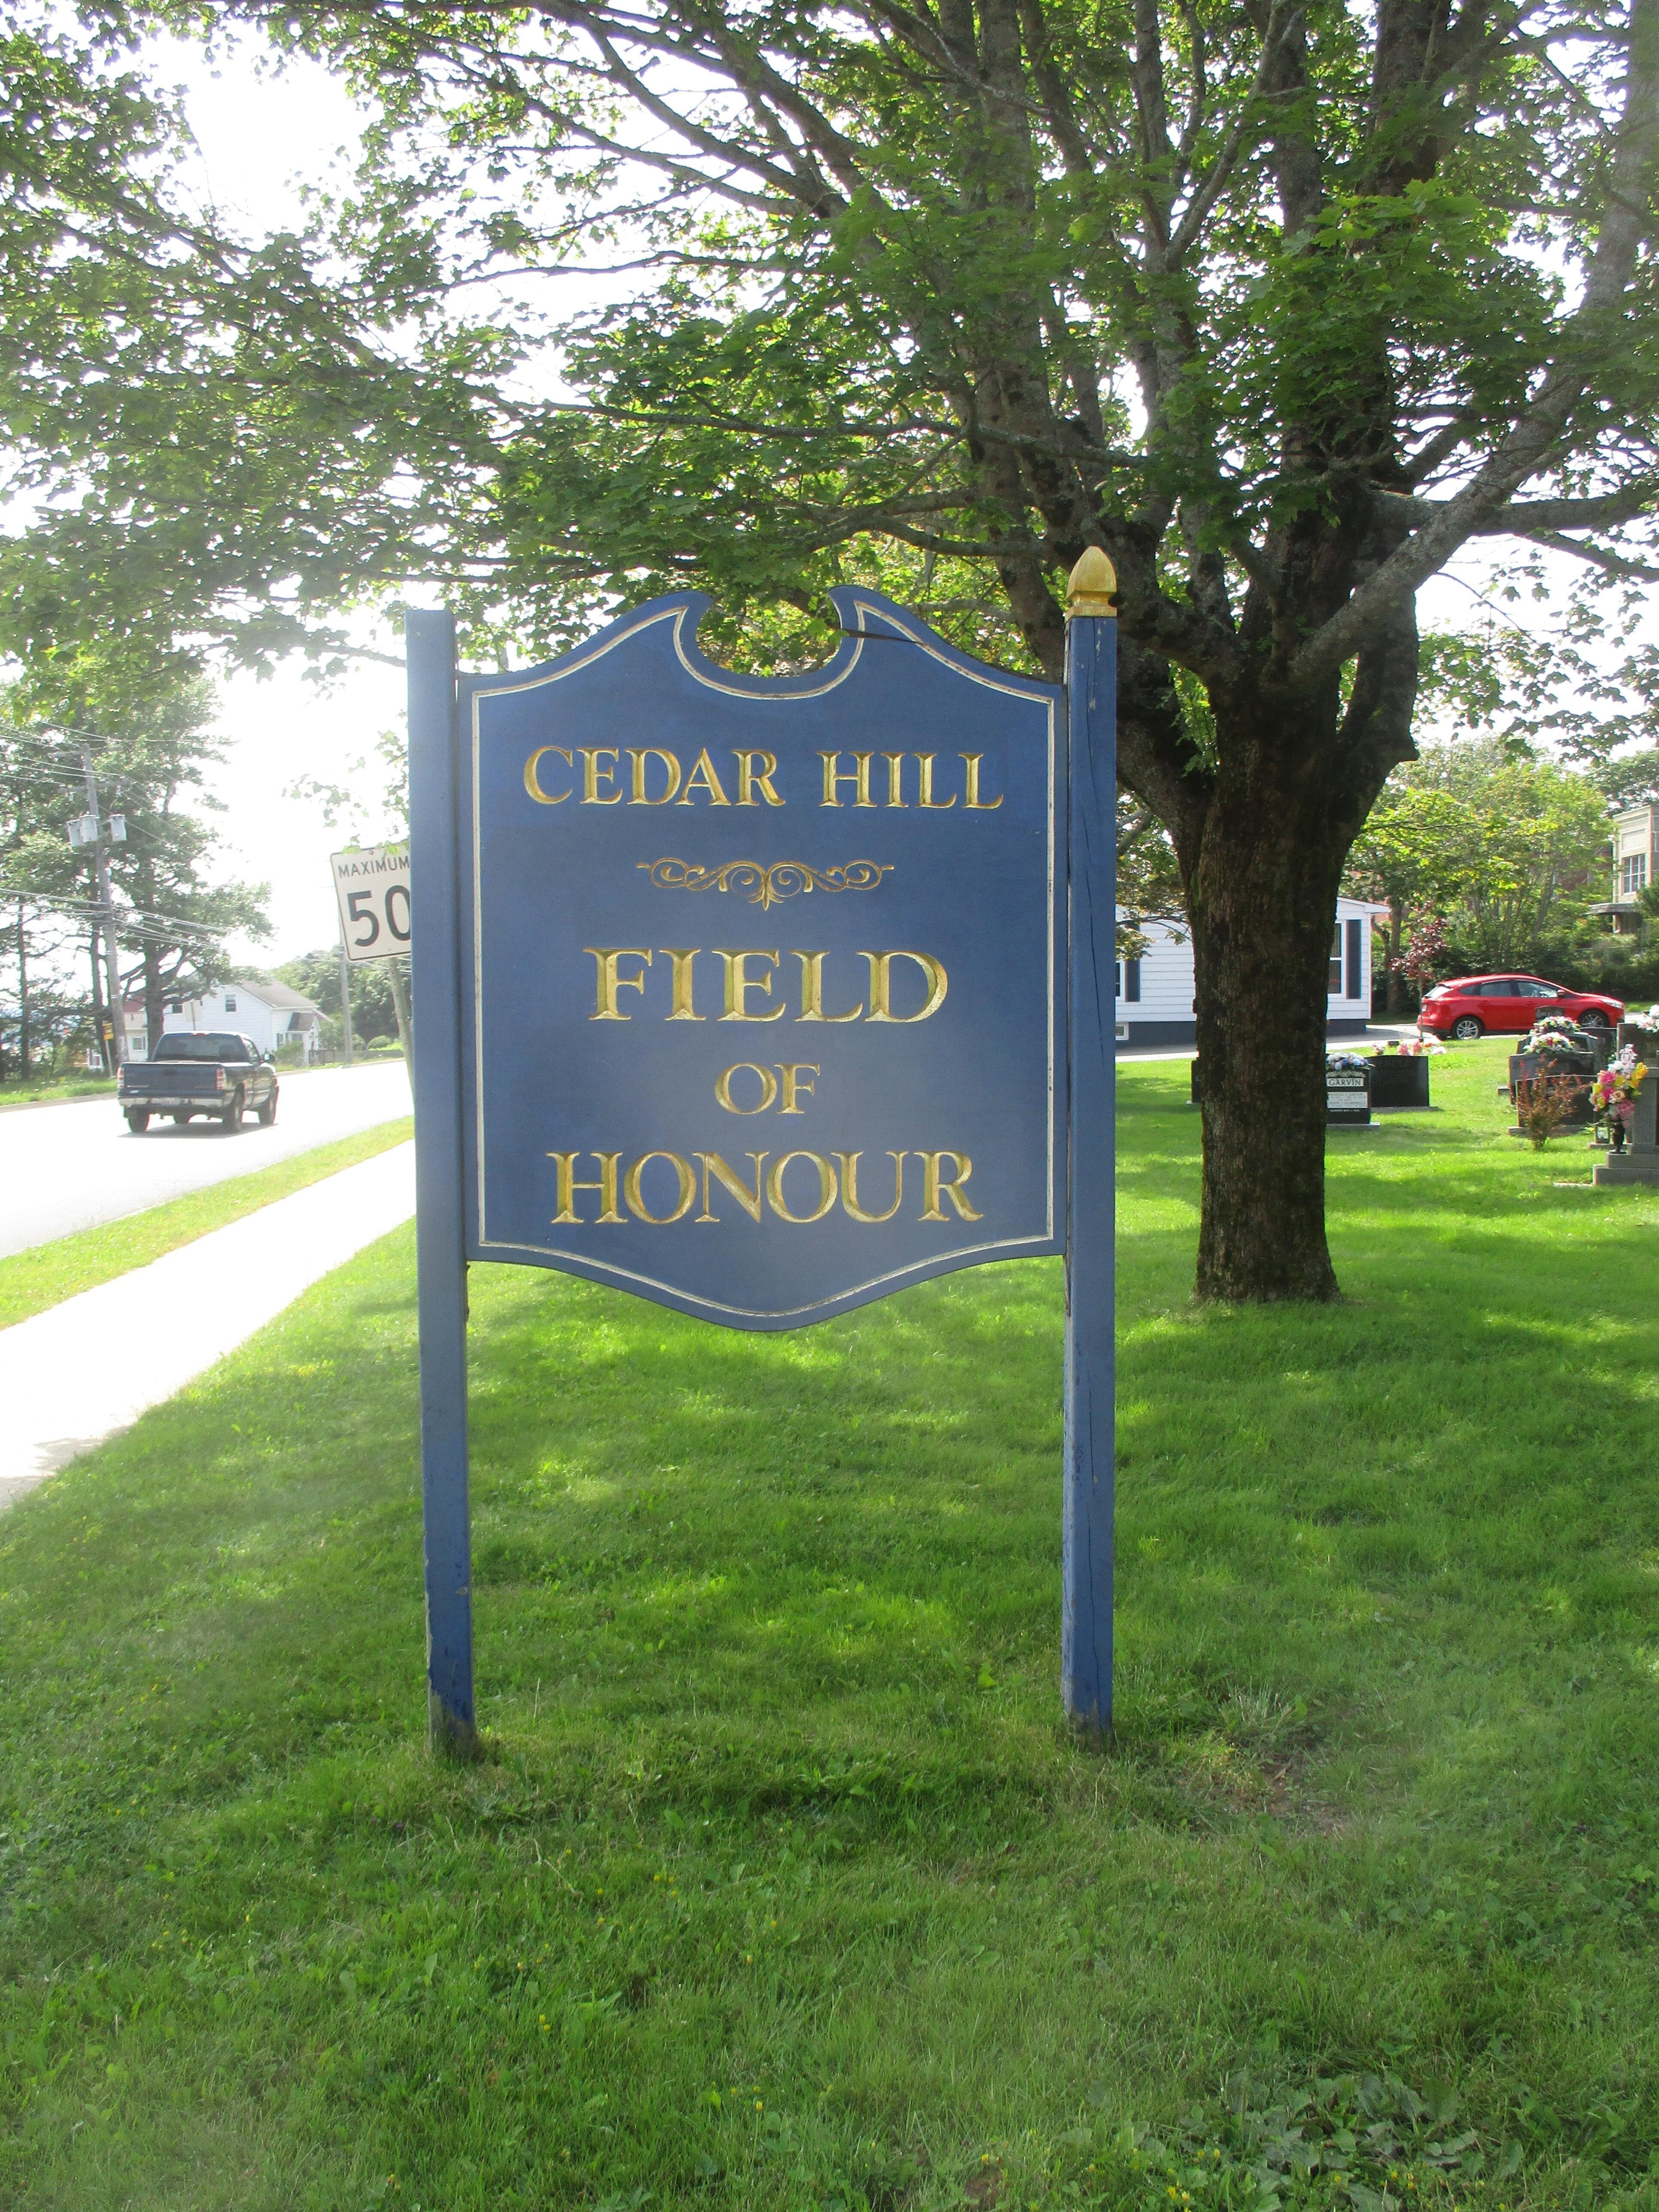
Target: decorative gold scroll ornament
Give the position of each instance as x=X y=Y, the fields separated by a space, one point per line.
x=763 y=886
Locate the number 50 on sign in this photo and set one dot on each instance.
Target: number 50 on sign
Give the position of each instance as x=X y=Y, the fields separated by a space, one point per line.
x=372 y=888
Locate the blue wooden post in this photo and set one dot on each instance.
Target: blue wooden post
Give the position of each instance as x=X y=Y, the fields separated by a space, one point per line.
x=429 y=645
x=1091 y=692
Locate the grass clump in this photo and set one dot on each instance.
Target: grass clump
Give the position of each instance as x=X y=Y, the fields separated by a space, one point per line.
x=782 y=1883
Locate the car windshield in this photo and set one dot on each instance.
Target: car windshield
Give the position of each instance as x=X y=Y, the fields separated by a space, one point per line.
x=211 y=1045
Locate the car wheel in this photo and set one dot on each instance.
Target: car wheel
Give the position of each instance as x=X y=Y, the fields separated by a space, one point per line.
x=232 y=1116
x=137 y=1122
x=1594 y=1018
x=267 y=1113
x=181 y=1120
x=1468 y=1026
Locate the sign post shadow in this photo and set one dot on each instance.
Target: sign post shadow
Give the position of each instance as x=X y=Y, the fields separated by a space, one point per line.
x=763 y=998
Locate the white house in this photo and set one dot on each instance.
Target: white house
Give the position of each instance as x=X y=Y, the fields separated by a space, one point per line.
x=1635 y=866
x=270 y=1013
x=1155 y=992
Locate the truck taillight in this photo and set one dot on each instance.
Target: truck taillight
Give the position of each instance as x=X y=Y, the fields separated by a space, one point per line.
x=218 y=1078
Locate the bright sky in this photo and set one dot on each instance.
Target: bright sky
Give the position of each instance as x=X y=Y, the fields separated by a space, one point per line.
x=259 y=134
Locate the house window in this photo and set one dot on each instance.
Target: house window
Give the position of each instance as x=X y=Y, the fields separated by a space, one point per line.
x=1132 y=979
x=1333 y=980
x=1356 y=945
x=230 y=1002
x=1633 y=874
x=175 y=1006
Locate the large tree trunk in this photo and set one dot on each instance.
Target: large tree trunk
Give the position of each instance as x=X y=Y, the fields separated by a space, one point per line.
x=1263 y=906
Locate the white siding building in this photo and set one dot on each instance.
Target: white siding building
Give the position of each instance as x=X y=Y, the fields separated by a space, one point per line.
x=1635 y=866
x=1155 y=992
x=270 y=1013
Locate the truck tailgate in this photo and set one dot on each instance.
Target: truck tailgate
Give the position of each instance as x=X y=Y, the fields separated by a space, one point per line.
x=166 y=1079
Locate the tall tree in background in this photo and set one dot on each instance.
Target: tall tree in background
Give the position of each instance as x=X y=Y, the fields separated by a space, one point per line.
x=149 y=732
x=1282 y=304
x=1507 y=850
x=35 y=803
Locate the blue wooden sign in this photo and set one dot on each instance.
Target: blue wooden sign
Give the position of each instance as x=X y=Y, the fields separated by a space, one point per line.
x=759 y=997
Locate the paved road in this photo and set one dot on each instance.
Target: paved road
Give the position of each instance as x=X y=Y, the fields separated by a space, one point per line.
x=64 y=1168
x=160 y=1326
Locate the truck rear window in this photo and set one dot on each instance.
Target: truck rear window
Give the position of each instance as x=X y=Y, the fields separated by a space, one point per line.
x=181 y=1045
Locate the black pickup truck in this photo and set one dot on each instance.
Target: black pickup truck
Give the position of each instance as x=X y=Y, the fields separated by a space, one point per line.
x=208 y=1072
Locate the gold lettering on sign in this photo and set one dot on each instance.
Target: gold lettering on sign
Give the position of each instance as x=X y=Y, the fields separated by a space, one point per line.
x=702 y=778
x=569 y=1186
x=752 y=779
x=683 y=1009
x=609 y=982
x=859 y=776
x=927 y=798
x=811 y=991
x=827 y=1188
x=768 y=1082
x=933 y=1187
x=973 y=798
x=592 y=795
x=792 y=1074
x=739 y=983
x=894 y=778
x=532 y=781
x=849 y=1187
x=636 y=1204
x=670 y=761
x=749 y=1200
x=881 y=985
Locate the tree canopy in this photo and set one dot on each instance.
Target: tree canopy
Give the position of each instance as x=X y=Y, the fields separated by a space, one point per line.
x=1508 y=852
x=1282 y=303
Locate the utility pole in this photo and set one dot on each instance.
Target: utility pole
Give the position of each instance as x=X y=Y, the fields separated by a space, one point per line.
x=107 y=902
x=22 y=992
x=345 y=1005
x=394 y=976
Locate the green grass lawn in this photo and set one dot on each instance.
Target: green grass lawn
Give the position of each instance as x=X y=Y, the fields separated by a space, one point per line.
x=55 y=1089
x=48 y=1274
x=782 y=1885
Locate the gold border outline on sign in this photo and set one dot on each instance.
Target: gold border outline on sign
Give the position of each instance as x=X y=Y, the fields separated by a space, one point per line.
x=924 y=642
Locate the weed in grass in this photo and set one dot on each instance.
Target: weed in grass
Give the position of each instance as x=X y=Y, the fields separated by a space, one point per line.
x=782 y=1884
x=1545 y=1104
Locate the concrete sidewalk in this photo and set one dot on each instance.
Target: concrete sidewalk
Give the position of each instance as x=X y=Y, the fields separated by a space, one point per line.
x=73 y=1376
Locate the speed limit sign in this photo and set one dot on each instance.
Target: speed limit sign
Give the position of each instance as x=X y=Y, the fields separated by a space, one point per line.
x=372 y=886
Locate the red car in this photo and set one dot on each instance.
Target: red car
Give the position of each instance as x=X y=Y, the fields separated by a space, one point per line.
x=1473 y=1005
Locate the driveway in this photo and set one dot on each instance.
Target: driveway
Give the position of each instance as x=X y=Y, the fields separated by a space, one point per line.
x=64 y=1168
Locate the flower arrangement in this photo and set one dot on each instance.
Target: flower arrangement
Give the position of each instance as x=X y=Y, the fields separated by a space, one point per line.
x=1348 y=1062
x=1615 y=1088
x=1554 y=1034
x=1414 y=1047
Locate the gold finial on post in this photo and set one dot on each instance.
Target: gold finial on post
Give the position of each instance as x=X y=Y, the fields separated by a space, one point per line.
x=1093 y=585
